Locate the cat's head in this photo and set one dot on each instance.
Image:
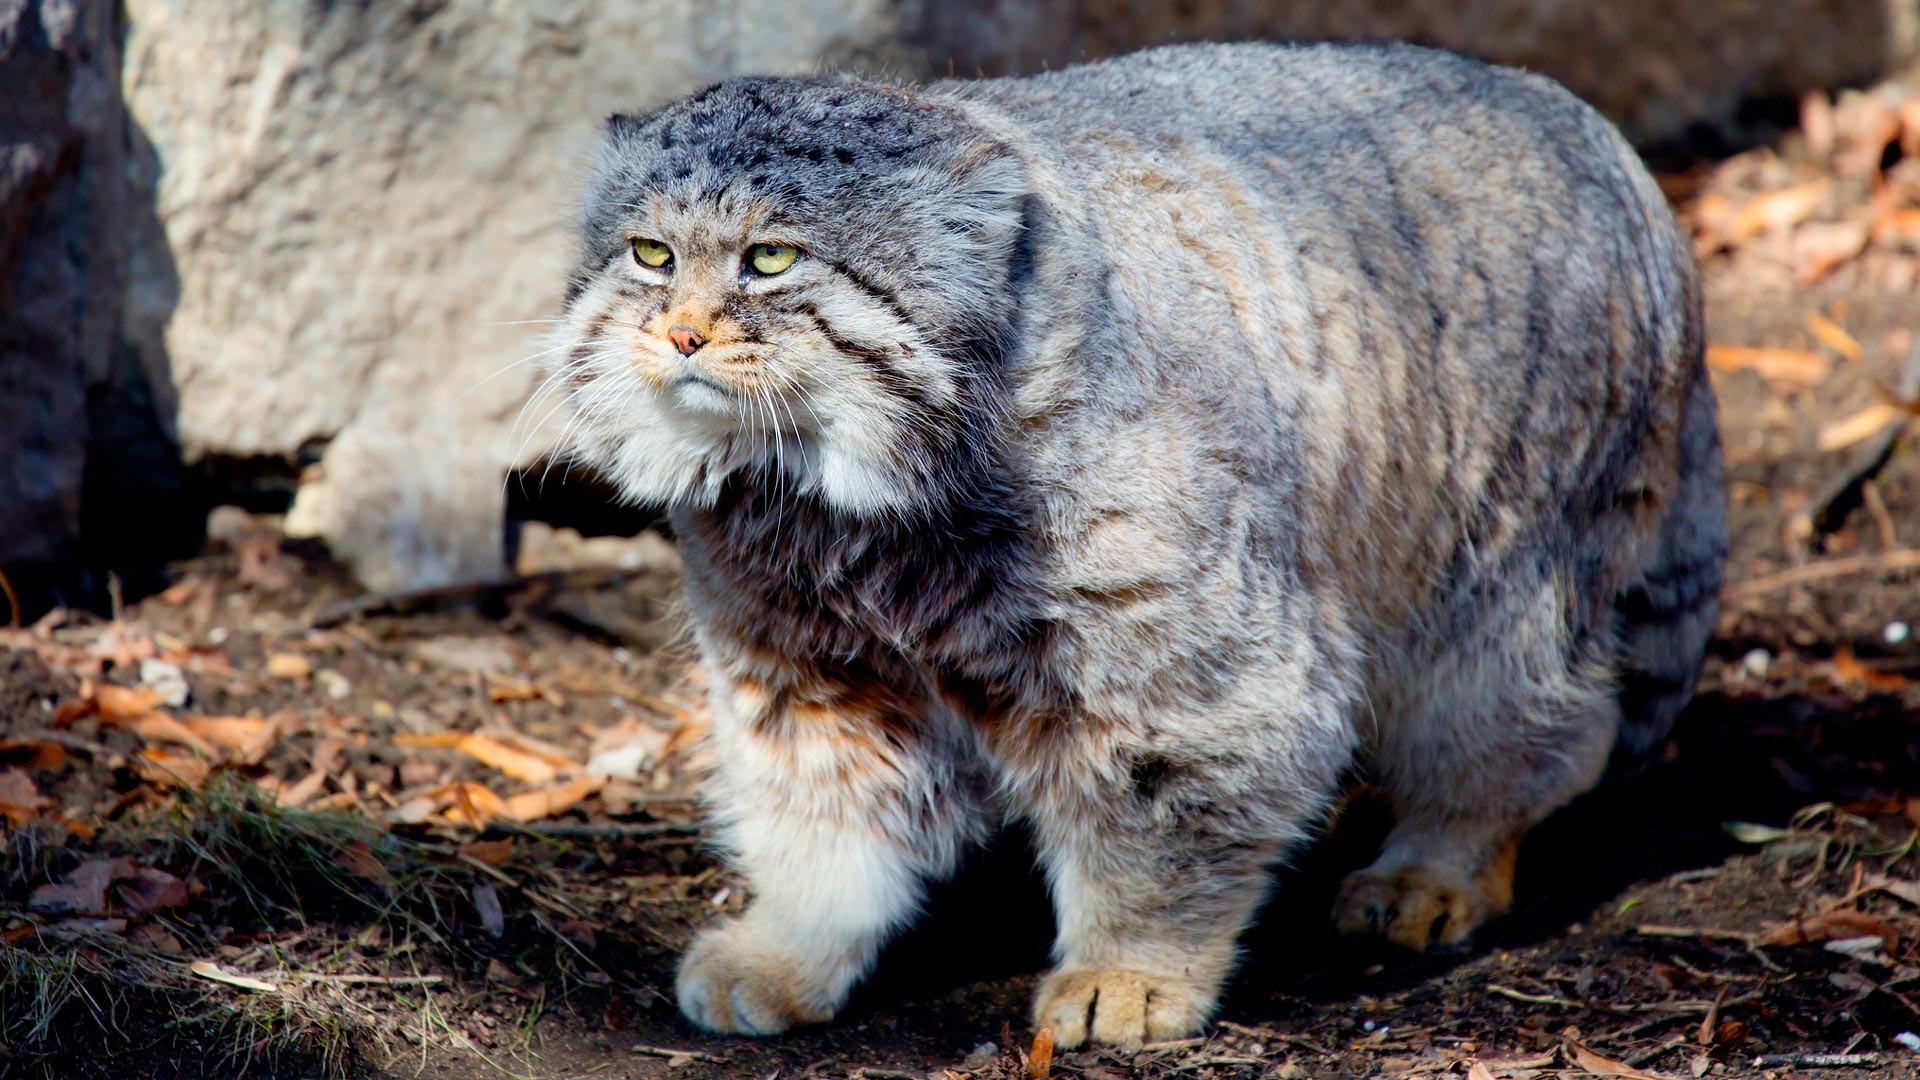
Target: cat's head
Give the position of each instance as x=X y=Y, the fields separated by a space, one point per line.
x=799 y=276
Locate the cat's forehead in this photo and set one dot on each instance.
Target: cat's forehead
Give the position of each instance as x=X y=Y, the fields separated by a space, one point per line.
x=779 y=137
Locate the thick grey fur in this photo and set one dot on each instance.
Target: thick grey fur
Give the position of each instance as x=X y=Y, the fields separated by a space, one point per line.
x=1140 y=449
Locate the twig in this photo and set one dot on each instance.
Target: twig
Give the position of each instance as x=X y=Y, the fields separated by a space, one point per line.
x=1883 y=562
x=370 y=980
x=406 y=600
x=608 y=831
x=1647 y=1057
x=672 y=1054
x=13 y=602
x=1207 y=1063
x=1829 y=508
x=1659 y=930
x=1816 y=1061
x=1537 y=999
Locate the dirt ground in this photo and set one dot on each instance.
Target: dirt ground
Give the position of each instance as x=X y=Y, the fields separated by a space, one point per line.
x=367 y=840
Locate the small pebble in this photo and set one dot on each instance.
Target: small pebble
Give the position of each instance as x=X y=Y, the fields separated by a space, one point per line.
x=1895 y=633
x=289 y=666
x=1909 y=1040
x=1756 y=663
x=165 y=679
x=334 y=684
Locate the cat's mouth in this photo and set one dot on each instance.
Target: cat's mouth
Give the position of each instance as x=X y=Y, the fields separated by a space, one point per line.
x=701 y=394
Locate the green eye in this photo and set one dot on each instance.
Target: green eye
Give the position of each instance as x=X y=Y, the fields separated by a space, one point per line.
x=770 y=259
x=651 y=252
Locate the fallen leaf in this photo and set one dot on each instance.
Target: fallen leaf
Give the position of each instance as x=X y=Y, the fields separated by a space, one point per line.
x=207 y=969
x=627 y=750
x=442 y=741
x=33 y=754
x=1833 y=336
x=181 y=591
x=496 y=754
x=246 y=738
x=490 y=852
x=1830 y=926
x=1479 y=1071
x=1908 y=891
x=474 y=804
x=119 y=704
x=1777 y=210
x=1821 y=249
x=1861 y=426
x=1040 y=1058
x=1816 y=124
x=165 y=768
x=83 y=891
x=285 y=665
x=155 y=937
x=1784 y=365
x=1605 y=1066
x=580 y=932
x=159 y=727
x=534 y=805
x=1850 y=669
x=302 y=791
x=20 y=798
x=148 y=889
x=357 y=858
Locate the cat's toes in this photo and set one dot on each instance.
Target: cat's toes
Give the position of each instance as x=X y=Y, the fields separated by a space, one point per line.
x=732 y=984
x=1414 y=907
x=1120 y=1008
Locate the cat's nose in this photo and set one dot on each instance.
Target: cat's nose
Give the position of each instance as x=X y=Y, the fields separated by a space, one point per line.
x=686 y=339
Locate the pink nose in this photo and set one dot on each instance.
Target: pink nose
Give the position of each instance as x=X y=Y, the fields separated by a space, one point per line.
x=686 y=339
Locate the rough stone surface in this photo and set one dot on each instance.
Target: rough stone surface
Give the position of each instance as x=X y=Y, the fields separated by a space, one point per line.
x=363 y=201
x=60 y=135
x=1657 y=67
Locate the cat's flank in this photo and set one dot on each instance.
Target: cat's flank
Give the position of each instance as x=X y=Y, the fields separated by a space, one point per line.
x=1137 y=450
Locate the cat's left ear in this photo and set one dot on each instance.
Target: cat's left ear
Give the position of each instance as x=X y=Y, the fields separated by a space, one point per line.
x=626 y=125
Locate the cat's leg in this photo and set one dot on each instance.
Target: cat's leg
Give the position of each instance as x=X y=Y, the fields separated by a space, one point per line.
x=837 y=802
x=1498 y=735
x=1158 y=849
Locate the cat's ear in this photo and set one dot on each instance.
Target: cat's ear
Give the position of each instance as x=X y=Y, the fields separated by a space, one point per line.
x=626 y=125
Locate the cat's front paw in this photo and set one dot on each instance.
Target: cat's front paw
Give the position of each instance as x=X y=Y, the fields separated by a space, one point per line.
x=735 y=984
x=1121 y=1008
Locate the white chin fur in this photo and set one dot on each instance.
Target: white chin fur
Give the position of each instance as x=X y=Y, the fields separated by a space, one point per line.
x=680 y=453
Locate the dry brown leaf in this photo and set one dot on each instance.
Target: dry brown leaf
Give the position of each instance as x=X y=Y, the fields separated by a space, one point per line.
x=446 y=740
x=534 y=805
x=83 y=891
x=1859 y=427
x=302 y=791
x=495 y=754
x=1606 y=1066
x=473 y=804
x=147 y=890
x=1821 y=249
x=1897 y=225
x=1479 y=1071
x=1783 y=365
x=1040 y=1058
x=20 y=798
x=1834 y=336
x=1777 y=210
x=164 y=768
x=118 y=704
x=491 y=852
x=357 y=857
x=246 y=738
x=1908 y=891
x=1830 y=926
x=1849 y=669
x=159 y=727
x=33 y=754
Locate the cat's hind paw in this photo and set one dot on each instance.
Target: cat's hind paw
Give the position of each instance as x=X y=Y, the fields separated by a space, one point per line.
x=1414 y=908
x=1121 y=1008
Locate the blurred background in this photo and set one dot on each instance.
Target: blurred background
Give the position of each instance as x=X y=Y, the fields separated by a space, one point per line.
x=284 y=255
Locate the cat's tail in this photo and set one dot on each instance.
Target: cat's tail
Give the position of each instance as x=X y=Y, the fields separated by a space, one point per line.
x=1666 y=617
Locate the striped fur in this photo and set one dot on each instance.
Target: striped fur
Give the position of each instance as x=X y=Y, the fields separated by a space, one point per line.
x=1138 y=449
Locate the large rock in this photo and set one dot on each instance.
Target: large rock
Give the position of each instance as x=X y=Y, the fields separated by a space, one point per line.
x=367 y=204
x=61 y=135
x=1659 y=68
